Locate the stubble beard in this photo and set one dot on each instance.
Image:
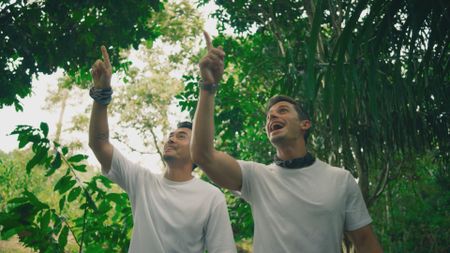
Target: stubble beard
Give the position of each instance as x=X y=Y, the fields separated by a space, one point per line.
x=168 y=158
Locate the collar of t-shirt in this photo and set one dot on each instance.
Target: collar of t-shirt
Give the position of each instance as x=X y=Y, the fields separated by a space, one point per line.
x=296 y=163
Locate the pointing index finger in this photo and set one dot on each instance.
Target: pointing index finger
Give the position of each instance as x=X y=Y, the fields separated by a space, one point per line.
x=105 y=56
x=208 y=41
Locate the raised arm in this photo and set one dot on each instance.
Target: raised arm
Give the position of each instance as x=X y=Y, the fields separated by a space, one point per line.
x=223 y=169
x=98 y=126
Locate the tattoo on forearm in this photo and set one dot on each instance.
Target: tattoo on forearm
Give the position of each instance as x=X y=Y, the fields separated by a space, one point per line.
x=102 y=136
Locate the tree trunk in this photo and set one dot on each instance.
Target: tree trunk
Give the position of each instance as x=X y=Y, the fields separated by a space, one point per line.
x=65 y=96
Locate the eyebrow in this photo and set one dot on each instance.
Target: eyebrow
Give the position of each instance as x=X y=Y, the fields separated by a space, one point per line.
x=177 y=133
x=279 y=107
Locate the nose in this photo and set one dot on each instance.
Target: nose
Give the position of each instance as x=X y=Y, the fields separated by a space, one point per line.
x=271 y=115
x=171 y=140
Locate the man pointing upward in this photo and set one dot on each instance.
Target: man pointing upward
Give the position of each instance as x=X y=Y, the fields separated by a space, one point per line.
x=299 y=203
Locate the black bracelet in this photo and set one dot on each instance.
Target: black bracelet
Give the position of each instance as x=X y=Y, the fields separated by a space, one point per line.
x=101 y=96
x=211 y=88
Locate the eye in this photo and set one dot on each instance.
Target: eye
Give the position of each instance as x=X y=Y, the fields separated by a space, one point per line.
x=283 y=110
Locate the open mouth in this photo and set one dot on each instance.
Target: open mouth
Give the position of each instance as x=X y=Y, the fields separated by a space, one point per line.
x=169 y=148
x=275 y=126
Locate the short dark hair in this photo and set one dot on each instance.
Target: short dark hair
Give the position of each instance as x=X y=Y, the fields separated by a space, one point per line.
x=302 y=114
x=186 y=124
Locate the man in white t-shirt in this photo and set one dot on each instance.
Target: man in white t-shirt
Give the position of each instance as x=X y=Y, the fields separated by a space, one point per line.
x=299 y=203
x=174 y=212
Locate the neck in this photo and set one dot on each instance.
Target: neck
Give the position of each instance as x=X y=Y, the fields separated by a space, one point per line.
x=179 y=172
x=291 y=150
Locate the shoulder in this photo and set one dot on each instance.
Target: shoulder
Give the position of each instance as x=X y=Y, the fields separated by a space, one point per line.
x=250 y=165
x=333 y=172
x=207 y=187
x=332 y=169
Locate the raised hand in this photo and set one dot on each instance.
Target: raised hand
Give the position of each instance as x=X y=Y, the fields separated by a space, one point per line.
x=211 y=65
x=101 y=71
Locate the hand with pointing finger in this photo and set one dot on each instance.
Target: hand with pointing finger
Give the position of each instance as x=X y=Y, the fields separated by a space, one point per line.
x=101 y=71
x=211 y=65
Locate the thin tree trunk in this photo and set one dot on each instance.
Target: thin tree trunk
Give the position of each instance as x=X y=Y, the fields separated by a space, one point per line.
x=65 y=96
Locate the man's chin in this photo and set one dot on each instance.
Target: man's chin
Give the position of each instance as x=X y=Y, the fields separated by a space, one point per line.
x=168 y=157
x=276 y=139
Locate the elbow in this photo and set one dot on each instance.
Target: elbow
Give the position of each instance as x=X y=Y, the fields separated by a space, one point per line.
x=201 y=157
x=92 y=145
x=95 y=145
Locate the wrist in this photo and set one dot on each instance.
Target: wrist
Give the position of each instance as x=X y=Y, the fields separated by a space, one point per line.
x=210 y=88
x=102 y=96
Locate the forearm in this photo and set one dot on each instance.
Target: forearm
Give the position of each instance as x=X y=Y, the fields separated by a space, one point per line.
x=365 y=240
x=98 y=126
x=223 y=169
x=202 y=146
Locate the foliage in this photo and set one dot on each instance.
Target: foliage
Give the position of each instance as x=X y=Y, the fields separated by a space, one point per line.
x=413 y=214
x=40 y=36
x=47 y=228
x=143 y=103
x=13 y=178
x=372 y=75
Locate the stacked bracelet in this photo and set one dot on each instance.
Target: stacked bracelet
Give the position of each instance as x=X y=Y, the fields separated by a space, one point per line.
x=211 y=88
x=101 y=96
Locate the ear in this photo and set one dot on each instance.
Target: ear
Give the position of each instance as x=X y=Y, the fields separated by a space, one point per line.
x=305 y=125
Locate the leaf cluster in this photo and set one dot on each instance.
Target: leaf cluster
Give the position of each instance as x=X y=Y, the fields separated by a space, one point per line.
x=41 y=36
x=48 y=228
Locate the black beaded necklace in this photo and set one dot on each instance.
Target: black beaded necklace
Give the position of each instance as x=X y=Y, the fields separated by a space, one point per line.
x=296 y=163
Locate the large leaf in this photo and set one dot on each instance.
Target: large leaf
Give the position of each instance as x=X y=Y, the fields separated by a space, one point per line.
x=62 y=239
x=44 y=128
x=74 y=193
x=77 y=158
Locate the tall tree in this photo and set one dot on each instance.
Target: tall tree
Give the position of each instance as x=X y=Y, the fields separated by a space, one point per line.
x=40 y=36
x=372 y=74
x=143 y=103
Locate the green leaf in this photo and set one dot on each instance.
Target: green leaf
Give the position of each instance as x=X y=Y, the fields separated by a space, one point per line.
x=62 y=201
x=57 y=223
x=115 y=197
x=23 y=140
x=94 y=248
x=5 y=235
x=67 y=186
x=65 y=150
x=4 y=217
x=56 y=163
x=19 y=200
x=32 y=199
x=62 y=239
x=61 y=182
x=45 y=219
x=74 y=193
x=64 y=184
x=44 y=128
x=104 y=207
x=81 y=168
x=40 y=155
x=77 y=158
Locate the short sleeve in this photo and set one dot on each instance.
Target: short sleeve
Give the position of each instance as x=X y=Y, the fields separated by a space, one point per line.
x=248 y=180
x=219 y=236
x=123 y=172
x=356 y=213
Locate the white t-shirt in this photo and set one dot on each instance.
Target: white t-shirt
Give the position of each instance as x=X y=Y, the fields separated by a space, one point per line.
x=302 y=210
x=172 y=216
